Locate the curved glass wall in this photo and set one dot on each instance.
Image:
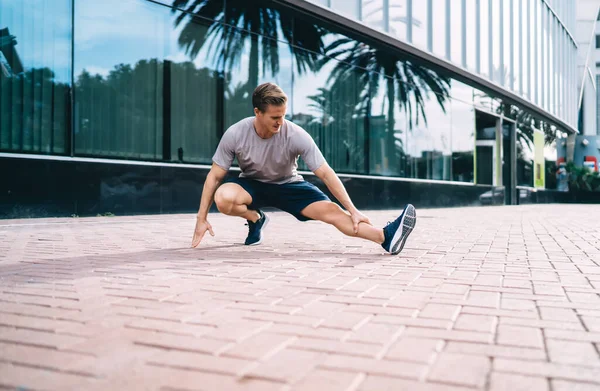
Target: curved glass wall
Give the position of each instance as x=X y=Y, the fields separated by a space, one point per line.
x=164 y=85
x=513 y=43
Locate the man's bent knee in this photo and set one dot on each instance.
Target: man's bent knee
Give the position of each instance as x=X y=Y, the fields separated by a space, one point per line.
x=228 y=196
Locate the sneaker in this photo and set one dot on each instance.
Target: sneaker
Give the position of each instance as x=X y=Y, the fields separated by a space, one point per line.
x=255 y=229
x=397 y=231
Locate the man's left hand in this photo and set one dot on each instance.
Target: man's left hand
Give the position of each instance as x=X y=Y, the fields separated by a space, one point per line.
x=357 y=218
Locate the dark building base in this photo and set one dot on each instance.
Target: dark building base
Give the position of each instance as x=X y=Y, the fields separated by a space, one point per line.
x=59 y=188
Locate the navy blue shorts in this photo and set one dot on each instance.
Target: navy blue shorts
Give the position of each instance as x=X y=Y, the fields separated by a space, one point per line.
x=288 y=197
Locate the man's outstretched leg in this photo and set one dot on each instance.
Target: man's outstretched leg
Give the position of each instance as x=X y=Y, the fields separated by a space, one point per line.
x=392 y=237
x=231 y=199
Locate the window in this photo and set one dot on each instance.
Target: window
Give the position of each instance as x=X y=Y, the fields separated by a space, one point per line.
x=597 y=105
x=35 y=75
x=597 y=41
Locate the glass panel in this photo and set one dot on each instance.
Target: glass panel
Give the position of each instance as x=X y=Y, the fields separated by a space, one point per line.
x=429 y=142
x=349 y=8
x=398 y=19
x=498 y=67
x=35 y=75
x=372 y=14
x=525 y=157
x=472 y=36
x=145 y=87
x=388 y=128
x=508 y=44
x=456 y=39
x=597 y=105
x=484 y=43
x=438 y=28
x=539 y=62
x=329 y=102
x=463 y=140
x=419 y=24
x=320 y=2
x=517 y=42
x=525 y=47
x=259 y=60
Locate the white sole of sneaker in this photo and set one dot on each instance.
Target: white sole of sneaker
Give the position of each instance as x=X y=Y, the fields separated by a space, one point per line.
x=261 y=231
x=407 y=224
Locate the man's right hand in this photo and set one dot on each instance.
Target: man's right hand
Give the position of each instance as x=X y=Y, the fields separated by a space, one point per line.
x=202 y=225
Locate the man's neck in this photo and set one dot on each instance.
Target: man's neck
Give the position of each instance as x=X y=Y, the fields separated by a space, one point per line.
x=261 y=132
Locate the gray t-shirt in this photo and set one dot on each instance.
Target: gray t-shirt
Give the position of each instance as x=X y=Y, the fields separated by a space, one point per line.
x=272 y=160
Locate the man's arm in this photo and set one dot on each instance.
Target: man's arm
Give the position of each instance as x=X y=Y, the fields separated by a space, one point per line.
x=213 y=180
x=336 y=187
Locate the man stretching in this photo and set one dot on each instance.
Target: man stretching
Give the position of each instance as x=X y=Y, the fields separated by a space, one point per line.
x=267 y=148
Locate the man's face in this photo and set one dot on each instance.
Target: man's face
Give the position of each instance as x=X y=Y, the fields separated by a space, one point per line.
x=271 y=119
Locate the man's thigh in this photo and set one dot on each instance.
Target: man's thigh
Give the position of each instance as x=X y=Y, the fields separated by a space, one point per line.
x=295 y=197
x=243 y=191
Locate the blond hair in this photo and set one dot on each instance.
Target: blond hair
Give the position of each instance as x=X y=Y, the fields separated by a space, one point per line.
x=268 y=94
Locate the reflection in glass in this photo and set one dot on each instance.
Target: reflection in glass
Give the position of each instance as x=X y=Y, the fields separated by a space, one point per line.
x=119 y=94
x=463 y=141
x=349 y=8
x=485 y=49
x=430 y=143
x=456 y=27
x=252 y=42
x=525 y=46
x=517 y=45
x=398 y=18
x=507 y=44
x=240 y=79
x=499 y=72
x=438 y=27
x=35 y=75
x=472 y=35
x=373 y=15
x=332 y=110
x=408 y=87
x=419 y=24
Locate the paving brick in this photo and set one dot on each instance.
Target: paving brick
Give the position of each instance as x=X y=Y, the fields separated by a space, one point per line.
x=439 y=311
x=325 y=380
x=420 y=350
x=180 y=342
x=24 y=377
x=548 y=370
x=558 y=314
x=372 y=366
x=520 y=336
x=570 y=335
x=449 y=335
x=288 y=365
x=505 y=381
x=340 y=347
x=117 y=310
x=375 y=332
x=569 y=352
x=258 y=346
x=39 y=338
x=383 y=383
x=201 y=362
x=459 y=369
x=495 y=350
x=563 y=385
x=592 y=323
x=482 y=323
x=37 y=357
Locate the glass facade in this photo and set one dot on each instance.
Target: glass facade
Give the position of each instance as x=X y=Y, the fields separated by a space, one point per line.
x=511 y=42
x=87 y=79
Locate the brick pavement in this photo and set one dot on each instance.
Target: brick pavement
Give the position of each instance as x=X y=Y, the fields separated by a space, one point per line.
x=495 y=298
